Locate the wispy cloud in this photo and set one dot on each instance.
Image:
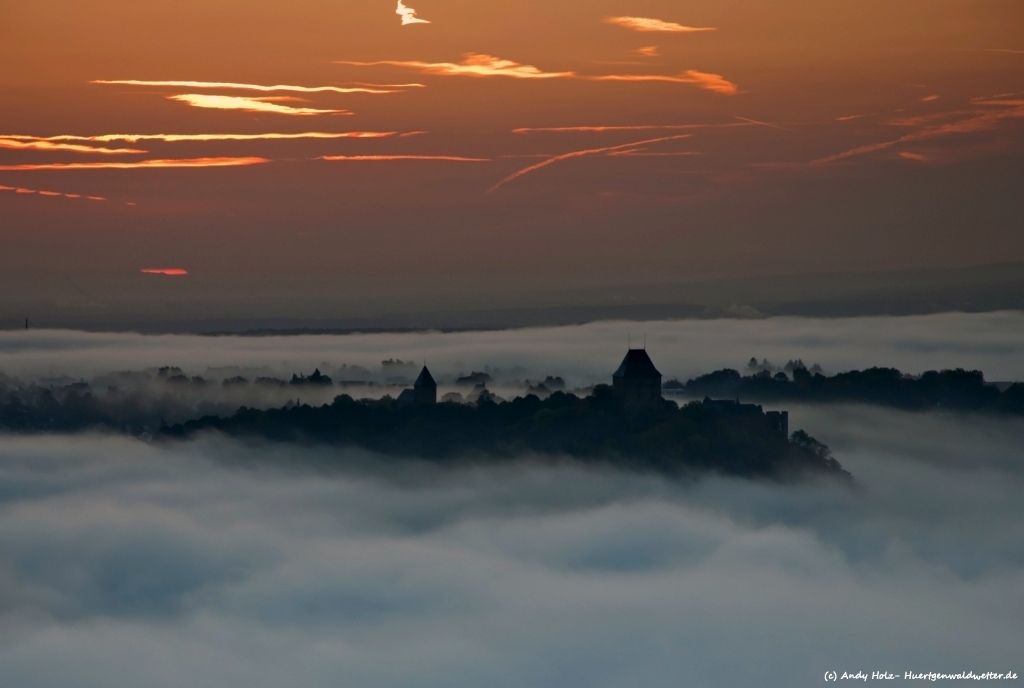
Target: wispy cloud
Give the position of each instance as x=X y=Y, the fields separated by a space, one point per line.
x=50 y=194
x=145 y=164
x=648 y=25
x=929 y=99
x=916 y=157
x=474 y=64
x=221 y=85
x=408 y=15
x=980 y=121
x=390 y=158
x=217 y=102
x=647 y=51
x=32 y=143
x=175 y=138
x=169 y=272
x=477 y=65
x=613 y=128
x=848 y=118
x=582 y=153
x=709 y=82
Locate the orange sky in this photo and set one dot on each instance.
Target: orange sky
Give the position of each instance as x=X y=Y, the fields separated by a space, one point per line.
x=509 y=145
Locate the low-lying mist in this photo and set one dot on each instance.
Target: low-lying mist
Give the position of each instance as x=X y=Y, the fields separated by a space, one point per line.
x=236 y=564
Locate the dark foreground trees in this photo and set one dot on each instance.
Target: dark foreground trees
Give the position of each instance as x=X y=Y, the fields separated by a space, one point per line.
x=593 y=429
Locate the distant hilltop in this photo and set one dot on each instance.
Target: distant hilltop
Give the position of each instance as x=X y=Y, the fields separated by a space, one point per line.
x=627 y=424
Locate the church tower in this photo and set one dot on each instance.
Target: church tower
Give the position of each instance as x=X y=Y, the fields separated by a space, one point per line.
x=637 y=382
x=425 y=389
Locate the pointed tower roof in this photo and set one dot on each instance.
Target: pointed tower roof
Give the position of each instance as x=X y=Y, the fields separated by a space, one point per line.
x=425 y=379
x=636 y=364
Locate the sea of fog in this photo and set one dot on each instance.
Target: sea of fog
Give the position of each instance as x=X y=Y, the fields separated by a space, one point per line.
x=583 y=354
x=221 y=563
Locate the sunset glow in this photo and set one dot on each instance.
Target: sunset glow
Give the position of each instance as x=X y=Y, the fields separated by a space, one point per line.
x=389 y=158
x=169 y=272
x=30 y=143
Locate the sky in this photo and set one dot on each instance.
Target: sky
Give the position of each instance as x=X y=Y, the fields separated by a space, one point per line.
x=446 y=146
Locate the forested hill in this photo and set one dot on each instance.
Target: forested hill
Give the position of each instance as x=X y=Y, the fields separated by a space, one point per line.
x=961 y=390
x=668 y=439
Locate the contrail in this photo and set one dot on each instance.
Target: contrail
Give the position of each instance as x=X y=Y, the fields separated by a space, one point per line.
x=580 y=154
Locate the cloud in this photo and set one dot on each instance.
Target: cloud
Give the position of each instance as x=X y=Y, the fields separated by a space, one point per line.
x=848 y=118
x=249 y=105
x=252 y=87
x=648 y=51
x=175 y=138
x=49 y=194
x=580 y=154
x=388 y=158
x=928 y=99
x=145 y=164
x=613 y=128
x=32 y=143
x=408 y=15
x=645 y=24
x=709 y=82
x=170 y=272
x=231 y=564
x=980 y=120
x=475 y=65
x=917 y=157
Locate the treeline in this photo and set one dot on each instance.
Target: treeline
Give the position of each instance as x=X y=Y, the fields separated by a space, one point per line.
x=668 y=439
x=961 y=390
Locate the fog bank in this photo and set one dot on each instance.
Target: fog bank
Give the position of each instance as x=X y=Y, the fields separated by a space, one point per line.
x=218 y=563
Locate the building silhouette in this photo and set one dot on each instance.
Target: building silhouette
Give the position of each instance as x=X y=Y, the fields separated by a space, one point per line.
x=423 y=392
x=750 y=418
x=637 y=382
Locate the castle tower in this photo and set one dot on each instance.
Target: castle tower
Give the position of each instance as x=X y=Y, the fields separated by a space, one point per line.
x=637 y=382
x=424 y=390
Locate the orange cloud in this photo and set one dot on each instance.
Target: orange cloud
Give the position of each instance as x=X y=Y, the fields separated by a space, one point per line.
x=249 y=105
x=408 y=15
x=170 y=272
x=477 y=65
x=251 y=87
x=582 y=153
x=145 y=164
x=474 y=65
x=646 y=24
x=917 y=157
x=389 y=158
x=640 y=127
x=175 y=138
x=848 y=118
x=648 y=51
x=33 y=143
x=52 y=194
x=928 y=99
x=709 y=82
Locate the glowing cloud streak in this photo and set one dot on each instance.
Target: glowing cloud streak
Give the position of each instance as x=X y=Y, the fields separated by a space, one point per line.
x=648 y=25
x=639 y=127
x=408 y=15
x=390 y=158
x=648 y=51
x=249 y=87
x=168 y=272
x=176 y=138
x=582 y=153
x=709 y=82
x=477 y=65
x=474 y=65
x=145 y=164
x=249 y=105
x=32 y=143
x=51 y=194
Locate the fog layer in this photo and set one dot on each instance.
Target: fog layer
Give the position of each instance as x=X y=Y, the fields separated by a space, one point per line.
x=221 y=564
x=992 y=342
